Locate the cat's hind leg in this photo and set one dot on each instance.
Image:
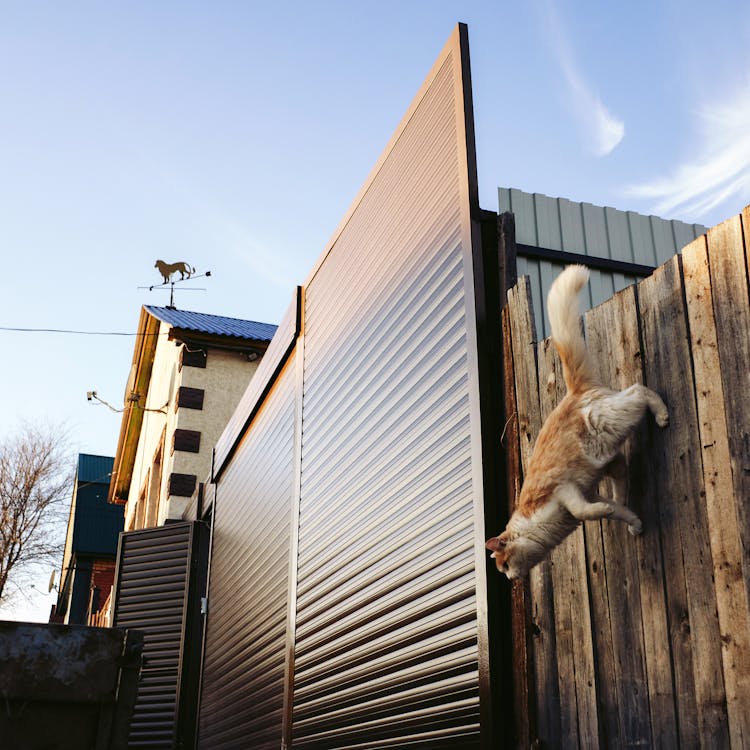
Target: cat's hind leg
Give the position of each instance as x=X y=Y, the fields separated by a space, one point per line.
x=595 y=508
x=617 y=471
x=621 y=513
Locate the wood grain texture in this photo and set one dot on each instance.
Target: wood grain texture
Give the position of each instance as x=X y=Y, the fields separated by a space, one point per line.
x=695 y=635
x=613 y=342
x=524 y=704
x=567 y=563
x=523 y=335
x=529 y=421
x=725 y=532
x=727 y=253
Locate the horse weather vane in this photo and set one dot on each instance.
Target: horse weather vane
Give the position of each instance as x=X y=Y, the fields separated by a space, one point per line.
x=167 y=272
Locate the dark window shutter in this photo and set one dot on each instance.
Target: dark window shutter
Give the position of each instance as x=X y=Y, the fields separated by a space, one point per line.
x=190 y=398
x=189 y=358
x=182 y=485
x=186 y=440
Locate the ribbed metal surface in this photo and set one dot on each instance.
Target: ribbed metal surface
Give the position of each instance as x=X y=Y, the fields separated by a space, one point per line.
x=243 y=679
x=597 y=231
x=153 y=575
x=94 y=468
x=219 y=325
x=386 y=631
x=96 y=523
x=272 y=360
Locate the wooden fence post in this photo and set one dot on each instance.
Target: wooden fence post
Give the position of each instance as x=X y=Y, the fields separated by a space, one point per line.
x=543 y=647
x=728 y=264
x=677 y=476
x=524 y=705
x=723 y=514
x=612 y=338
x=573 y=627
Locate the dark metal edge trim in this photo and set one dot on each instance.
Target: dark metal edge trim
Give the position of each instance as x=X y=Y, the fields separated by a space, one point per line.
x=591 y=261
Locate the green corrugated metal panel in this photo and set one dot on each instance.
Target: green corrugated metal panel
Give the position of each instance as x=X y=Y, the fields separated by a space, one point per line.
x=97 y=523
x=586 y=229
x=561 y=224
x=94 y=468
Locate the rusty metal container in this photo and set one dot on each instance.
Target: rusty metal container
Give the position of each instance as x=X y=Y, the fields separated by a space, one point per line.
x=67 y=687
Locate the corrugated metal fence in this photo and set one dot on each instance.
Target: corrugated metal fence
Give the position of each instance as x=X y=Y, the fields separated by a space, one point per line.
x=618 y=246
x=622 y=641
x=348 y=600
x=244 y=666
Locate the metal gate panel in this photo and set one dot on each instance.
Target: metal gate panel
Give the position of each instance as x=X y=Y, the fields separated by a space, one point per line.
x=389 y=629
x=153 y=578
x=244 y=665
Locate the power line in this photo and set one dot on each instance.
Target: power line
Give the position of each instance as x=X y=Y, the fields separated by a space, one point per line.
x=80 y=333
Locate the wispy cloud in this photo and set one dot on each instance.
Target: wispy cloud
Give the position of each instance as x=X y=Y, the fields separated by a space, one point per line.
x=602 y=131
x=719 y=168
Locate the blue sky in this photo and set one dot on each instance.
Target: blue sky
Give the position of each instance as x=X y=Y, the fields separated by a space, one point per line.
x=234 y=135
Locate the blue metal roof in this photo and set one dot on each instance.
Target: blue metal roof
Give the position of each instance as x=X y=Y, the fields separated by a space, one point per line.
x=214 y=324
x=94 y=468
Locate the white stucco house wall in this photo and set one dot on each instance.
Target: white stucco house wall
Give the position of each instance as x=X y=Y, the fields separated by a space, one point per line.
x=189 y=371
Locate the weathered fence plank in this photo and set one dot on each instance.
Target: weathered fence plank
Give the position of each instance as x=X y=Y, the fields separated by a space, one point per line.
x=691 y=600
x=523 y=333
x=645 y=499
x=524 y=703
x=576 y=674
x=613 y=341
x=729 y=273
x=725 y=539
x=543 y=647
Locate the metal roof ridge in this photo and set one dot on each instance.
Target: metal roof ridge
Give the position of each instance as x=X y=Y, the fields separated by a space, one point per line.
x=151 y=308
x=212 y=324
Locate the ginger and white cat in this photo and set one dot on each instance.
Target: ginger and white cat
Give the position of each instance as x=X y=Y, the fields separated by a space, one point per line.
x=579 y=443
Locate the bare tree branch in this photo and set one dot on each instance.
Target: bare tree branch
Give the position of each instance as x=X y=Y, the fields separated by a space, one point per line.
x=35 y=480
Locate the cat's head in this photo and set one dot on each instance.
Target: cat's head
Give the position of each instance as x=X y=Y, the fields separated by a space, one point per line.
x=508 y=555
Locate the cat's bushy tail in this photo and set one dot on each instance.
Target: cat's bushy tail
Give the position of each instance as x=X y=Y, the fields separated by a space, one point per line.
x=564 y=316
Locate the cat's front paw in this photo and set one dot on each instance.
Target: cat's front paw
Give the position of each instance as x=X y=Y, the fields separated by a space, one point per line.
x=662 y=418
x=636 y=528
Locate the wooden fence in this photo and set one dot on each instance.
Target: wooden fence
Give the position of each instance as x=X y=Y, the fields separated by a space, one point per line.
x=621 y=641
